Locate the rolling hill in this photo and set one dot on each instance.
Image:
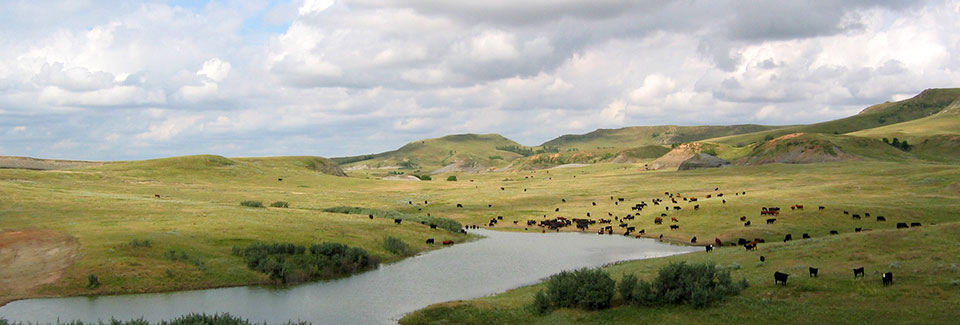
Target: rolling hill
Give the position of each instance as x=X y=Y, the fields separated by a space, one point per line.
x=636 y=136
x=460 y=152
x=927 y=103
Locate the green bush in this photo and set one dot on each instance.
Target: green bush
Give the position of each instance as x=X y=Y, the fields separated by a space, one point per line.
x=541 y=304
x=138 y=243
x=291 y=263
x=452 y=178
x=496 y=157
x=584 y=288
x=93 y=281
x=396 y=245
x=445 y=223
x=628 y=288
x=425 y=177
x=252 y=204
x=698 y=285
x=280 y=204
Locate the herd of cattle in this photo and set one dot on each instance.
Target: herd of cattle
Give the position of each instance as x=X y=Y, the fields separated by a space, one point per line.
x=607 y=225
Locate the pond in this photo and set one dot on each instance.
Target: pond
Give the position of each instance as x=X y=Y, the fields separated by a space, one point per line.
x=494 y=264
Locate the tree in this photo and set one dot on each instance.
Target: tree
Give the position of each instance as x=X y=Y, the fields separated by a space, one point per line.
x=452 y=178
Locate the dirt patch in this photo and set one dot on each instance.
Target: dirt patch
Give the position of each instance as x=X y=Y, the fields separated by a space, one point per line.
x=32 y=258
x=678 y=155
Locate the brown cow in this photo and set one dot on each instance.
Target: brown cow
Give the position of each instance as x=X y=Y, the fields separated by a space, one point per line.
x=448 y=242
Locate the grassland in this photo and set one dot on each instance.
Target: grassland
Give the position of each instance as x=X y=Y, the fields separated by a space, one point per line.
x=924 y=259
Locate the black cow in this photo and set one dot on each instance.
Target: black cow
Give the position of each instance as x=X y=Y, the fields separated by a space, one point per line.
x=866 y=214
x=858 y=272
x=429 y=240
x=857 y=229
x=741 y=241
x=594 y=203
x=743 y=218
x=631 y=229
x=846 y=212
x=821 y=208
x=459 y=205
x=763 y=259
x=696 y=207
x=564 y=200
x=556 y=210
x=806 y=236
x=813 y=272
x=693 y=240
x=914 y=224
x=371 y=217
x=901 y=225
x=746 y=224
x=881 y=218
x=499 y=217
x=787 y=238
x=780 y=278
x=856 y=216
x=834 y=232
x=887 y=278
x=709 y=248
x=489 y=205
x=433 y=226
x=397 y=221
x=771 y=220
x=279 y=179
x=642 y=231
x=674 y=227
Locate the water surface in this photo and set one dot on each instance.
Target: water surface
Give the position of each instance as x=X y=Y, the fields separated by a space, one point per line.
x=491 y=265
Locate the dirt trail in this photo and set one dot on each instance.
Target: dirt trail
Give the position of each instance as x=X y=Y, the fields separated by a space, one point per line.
x=30 y=258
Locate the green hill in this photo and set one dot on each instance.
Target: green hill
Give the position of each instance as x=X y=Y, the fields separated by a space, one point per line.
x=200 y=165
x=636 y=136
x=799 y=148
x=460 y=152
x=935 y=137
x=925 y=104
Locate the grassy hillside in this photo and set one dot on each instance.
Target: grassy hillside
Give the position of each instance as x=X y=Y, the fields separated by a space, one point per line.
x=648 y=135
x=466 y=152
x=42 y=164
x=935 y=137
x=925 y=104
x=817 y=147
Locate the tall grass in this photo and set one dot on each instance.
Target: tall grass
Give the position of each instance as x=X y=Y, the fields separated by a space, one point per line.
x=441 y=222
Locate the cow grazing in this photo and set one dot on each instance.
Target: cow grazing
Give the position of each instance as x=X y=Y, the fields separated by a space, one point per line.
x=459 y=205
x=780 y=278
x=556 y=210
x=674 y=227
x=661 y=236
x=901 y=225
x=743 y=218
x=642 y=231
x=429 y=240
x=696 y=207
x=858 y=272
x=433 y=226
x=881 y=218
x=846 y=212
x=501 y=188
x=834 y=232
x=157 y=195
x=448 y=242
x=724 y=201
x=887 y=278
x=856 y=216
x=371 y=216
x=866 y=214
x=397 y=221
x=693 y=240
x=751 y=246
x=279 y=179
x=709 y=248
x=489 y=205
x=663 y=214
x=746 y=224
x=857 y=229
x=771 y=220
x=806 y=236
x=813 y=272
x=820 y=208
x=718 y=242
x=594 y=203
x=658 y=220
x=674 y=219
x=588 y=214
x=762 y=259
x=499 y=217
x=787 y=238
x=914 y=224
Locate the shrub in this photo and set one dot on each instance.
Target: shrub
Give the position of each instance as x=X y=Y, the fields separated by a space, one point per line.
x=291 y=263
x=425 y=177
x=280 y=204
x=396 y=245
x=252 y=204
x=452 y=178
x=137 y=243
x=93 y=281
x=585 y=288
x=496 y=157
x=628 y=288
x=445 y=223
x=541 y=304
x=698 y=285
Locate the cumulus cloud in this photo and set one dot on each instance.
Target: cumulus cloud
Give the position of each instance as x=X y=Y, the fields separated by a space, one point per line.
x=342 y=77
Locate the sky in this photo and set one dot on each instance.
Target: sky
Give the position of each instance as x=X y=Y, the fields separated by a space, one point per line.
x=125 y=80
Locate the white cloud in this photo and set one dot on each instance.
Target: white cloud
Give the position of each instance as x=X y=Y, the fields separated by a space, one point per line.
x=132 y=79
